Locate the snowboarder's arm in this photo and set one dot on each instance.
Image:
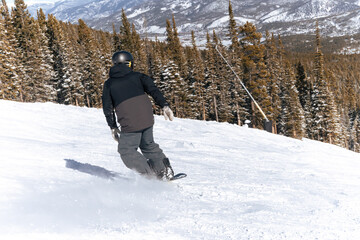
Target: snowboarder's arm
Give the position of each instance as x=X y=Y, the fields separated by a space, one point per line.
x=108 y=107
x=151 y=89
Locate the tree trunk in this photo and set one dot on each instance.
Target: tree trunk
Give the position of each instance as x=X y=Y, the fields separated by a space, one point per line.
x=215 y=109
x=238 y=114
x=21 y=95
x=204 y=112
x=88 y=100
x=253 y=114
x=176 y=107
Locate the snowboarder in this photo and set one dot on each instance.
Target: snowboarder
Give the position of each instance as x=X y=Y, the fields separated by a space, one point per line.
x=124 y=93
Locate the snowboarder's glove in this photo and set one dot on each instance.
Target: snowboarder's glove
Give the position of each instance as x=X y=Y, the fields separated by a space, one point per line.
x=168 y=114
x=115 y=132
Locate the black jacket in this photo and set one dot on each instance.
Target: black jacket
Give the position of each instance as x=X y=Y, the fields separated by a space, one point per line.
x=125 y=92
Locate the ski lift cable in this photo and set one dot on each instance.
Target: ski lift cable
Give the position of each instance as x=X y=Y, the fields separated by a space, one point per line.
x=242 y=84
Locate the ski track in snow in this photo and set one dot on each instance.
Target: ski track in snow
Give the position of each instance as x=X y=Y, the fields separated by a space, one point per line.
x=242 y=183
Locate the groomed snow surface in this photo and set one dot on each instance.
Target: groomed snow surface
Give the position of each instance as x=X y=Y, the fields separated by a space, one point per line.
x=242 y=183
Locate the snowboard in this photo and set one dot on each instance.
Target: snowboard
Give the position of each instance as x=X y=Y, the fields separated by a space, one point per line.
x=178 y=176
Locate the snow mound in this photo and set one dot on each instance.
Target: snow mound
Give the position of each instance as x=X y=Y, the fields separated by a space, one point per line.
x=61 y=178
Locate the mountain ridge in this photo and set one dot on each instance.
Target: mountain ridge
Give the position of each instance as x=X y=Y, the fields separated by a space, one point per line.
x=192 y=14
x=335 y=18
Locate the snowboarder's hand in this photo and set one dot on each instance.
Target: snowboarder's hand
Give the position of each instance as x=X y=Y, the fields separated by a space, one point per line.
x=168 y=114
x=115 y=134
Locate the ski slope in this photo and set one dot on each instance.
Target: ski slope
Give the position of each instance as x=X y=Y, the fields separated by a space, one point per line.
x=242 y=183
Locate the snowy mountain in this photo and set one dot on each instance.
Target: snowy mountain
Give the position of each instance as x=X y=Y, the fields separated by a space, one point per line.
x=61 y=178
x=335 y=17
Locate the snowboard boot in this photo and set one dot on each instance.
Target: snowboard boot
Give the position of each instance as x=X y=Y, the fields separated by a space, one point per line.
x=164 y=174
x=169 y=172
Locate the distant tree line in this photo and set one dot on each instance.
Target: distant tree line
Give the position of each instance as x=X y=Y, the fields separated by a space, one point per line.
x=305 y=95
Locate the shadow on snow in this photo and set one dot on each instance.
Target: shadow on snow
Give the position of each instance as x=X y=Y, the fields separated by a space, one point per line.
x=93 y=170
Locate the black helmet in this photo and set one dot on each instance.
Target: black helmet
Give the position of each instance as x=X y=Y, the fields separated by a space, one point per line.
x=123 y=57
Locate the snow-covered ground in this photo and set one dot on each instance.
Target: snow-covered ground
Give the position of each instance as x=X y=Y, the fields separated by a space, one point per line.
x=242 y=183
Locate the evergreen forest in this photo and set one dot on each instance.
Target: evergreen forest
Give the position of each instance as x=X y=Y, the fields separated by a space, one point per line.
x=309 y=94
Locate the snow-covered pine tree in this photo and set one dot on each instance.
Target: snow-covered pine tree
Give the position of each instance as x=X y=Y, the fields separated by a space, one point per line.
x=305 y=89
x=303 y=84
x=155 y=66
x=46 y=79
x=222 y=72
x=156 y=60
x=191 y=97
x=72 y=80
x=173 y=72
x=63 y=61
x=21 y=21
x=36 y=72
x=355 y=134
x=103 y=62
x=8 y=63
x=324 y=123
x=91 y=72
x=105 y=47
x=196 y=77
x=57 y=45
x=292 y=120
x=274 y=60
x=173 y=86
x=211 y=83
x=238 y=94
x=178 y=56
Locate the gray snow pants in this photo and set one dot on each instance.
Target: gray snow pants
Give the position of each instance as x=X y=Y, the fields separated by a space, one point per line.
x=128 y=146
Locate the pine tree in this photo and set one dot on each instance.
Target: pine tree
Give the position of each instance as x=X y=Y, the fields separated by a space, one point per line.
x=233 y=32
x=36 y=71
x=73 y=83
x=139 y=52
x=8 y=63
x=177 y=50
x=324 y=124
x=255 y=75
x=116 y=44
x=173 y=87
x=21 y=21
x=65 y=65
x=105 y=48
x=126 y=42
x=169 y=38
x=176 y=70
x=302 y=84
x=274 y=60
x=223 y=83
x=156 y=67
x=212 y=92
x=156 y=60
x=46 y=87
x=304 y=88
x=57 y=45
x=238 y=94
x=92 y=76
x=196 y=76
x=355 y=134
x=292 y=115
